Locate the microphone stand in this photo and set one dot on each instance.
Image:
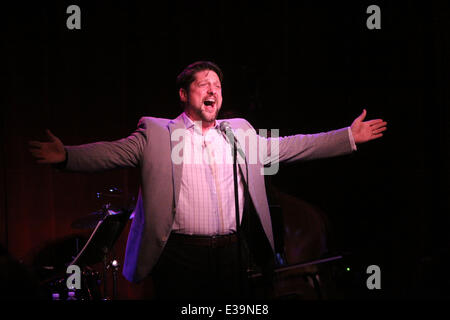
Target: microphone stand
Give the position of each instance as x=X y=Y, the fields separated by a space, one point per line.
x=232 y=139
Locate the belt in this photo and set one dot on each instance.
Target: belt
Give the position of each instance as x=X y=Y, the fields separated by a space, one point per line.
x=204 y=241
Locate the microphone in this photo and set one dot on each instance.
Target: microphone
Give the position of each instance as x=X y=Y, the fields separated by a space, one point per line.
x=225 y=127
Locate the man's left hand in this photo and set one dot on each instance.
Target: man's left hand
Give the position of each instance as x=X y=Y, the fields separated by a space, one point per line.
x=364 y=131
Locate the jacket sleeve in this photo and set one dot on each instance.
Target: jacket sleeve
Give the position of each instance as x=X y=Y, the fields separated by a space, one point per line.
x=106 y=155
x=298 y=147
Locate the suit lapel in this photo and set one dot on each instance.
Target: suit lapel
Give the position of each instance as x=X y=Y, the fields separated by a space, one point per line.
x=174 y=126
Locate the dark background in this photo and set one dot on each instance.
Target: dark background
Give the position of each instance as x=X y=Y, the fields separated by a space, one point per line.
x=300 y=66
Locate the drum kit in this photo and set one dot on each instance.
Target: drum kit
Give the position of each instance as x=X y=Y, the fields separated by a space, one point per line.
x=96 y=260
x=105 y=227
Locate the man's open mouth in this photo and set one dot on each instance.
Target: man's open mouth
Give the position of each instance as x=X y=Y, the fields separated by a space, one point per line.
x=209 y=102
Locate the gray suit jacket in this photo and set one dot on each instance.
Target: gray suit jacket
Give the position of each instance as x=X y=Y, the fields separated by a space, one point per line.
x=150 y=147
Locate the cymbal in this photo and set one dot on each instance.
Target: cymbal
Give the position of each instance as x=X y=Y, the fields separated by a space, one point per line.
x=91 y=220
x=111 y=192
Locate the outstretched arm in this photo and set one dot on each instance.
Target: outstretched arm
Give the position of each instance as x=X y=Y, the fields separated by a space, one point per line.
x=91 y=157
x=324 y=144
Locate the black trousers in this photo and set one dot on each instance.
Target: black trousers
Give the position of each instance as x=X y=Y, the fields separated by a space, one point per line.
x=187 y=271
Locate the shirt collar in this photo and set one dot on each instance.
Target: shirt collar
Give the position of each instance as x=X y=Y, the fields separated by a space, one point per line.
x=190 y=124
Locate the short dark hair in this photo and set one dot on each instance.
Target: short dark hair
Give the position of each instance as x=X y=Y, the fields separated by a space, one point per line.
x=187 y=76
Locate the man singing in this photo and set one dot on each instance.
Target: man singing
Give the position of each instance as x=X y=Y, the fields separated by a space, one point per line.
x=184 y=230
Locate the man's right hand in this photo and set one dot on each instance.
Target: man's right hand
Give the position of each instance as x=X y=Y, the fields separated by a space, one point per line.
x=50 y=152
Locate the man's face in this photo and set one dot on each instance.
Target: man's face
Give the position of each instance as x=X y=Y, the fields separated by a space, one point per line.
x=204 y=99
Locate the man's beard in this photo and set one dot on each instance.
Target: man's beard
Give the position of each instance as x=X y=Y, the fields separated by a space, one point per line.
x=207 y=116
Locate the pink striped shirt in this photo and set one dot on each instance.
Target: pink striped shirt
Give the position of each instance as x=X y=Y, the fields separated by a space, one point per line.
x=206 y=204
